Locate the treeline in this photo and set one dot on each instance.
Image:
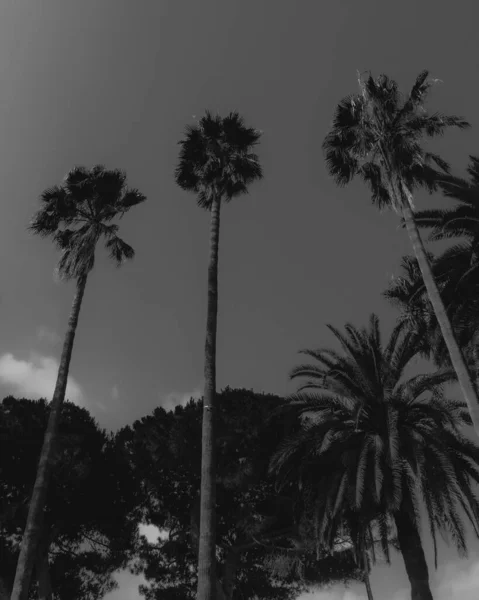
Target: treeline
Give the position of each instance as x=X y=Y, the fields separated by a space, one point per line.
x=105 y=485
x=363 y=446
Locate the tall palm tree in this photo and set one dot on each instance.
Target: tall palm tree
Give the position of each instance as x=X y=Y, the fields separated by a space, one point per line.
x=377 y=136
x=217 y=163
x=76 y=215
x=380 y=445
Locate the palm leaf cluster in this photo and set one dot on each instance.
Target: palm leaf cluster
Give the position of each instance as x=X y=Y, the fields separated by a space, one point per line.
x=376 y=135
x=77 y=213
x=216 y=157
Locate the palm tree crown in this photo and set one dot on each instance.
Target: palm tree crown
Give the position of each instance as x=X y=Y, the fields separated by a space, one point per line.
x=374 y=441
x=77 y=213
x=376 y=135
x=217 y=157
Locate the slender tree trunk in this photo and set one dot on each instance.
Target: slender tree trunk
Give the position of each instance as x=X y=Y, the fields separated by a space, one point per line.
x=231 y=568
x=207 y=543
x=414 y=558
x=366 y=568
x=455 y=353
x=367 y=583
x=33 y=528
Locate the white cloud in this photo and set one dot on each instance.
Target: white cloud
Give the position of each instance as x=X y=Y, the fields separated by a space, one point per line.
x=115 y=392
x=453 y=580
x=47 y=335
x=459 y=583
x=127 y=587
x=35 y=378
x=174 y=398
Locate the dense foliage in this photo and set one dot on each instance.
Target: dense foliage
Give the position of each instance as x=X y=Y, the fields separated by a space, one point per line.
x=88 y=532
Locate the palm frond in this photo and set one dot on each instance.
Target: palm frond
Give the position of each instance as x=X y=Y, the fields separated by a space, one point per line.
x=377 y=136
x=377 y=450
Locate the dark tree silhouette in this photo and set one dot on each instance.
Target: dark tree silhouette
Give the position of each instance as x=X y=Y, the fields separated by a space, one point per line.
x=76 y=215
x=376 y=136
x=381 y=445
x=217 y=163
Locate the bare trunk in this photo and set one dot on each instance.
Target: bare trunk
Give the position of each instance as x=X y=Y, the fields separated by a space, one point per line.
x=207 y=542
x=225 y=587
x=365 y=563
x=413 y=555
x=33 y=528
x=455 y=353
x=367 y=583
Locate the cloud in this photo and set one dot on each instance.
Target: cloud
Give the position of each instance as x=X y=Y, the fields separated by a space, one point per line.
x=459 y=583
x=47 y=335
x=454 y=580
x=127 y=587
x=175 y=398
x=115 y=392
x=35 y=378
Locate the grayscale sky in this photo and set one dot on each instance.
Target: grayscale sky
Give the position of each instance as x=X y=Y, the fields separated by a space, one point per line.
x=115 y=82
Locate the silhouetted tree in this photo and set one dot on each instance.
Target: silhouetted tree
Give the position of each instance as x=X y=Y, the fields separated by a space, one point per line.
x=217 y=163
x=87 y=532
x=377 y=136
x=76 y=215
x=255 y=526
x=380 y=445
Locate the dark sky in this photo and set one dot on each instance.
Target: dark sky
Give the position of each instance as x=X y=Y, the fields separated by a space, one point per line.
x=115 y=82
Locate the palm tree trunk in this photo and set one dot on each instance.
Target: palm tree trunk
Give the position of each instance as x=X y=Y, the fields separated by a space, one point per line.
x=413 y=556
x=457 y=358
x=33 y=528
x=207 y=543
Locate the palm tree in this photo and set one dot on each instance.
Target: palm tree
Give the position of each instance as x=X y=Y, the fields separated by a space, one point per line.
x=76 y=215
x=376 y=135
x=217 y=163
x=380 y=445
